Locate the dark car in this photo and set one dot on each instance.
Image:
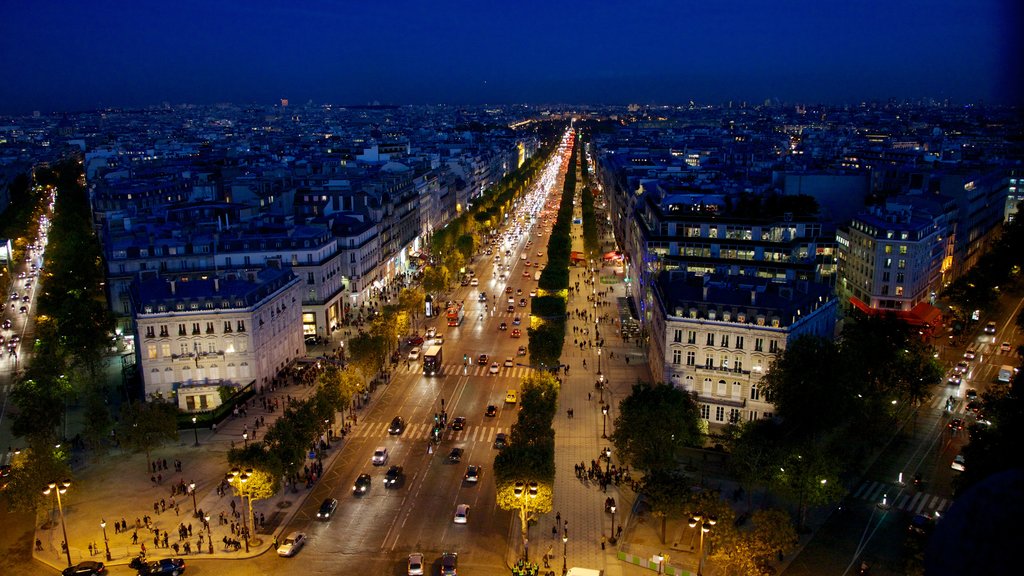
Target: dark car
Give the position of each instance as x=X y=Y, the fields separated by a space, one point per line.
x=503 y=326
x=482 y=360
x=459 y=423
x=393 y=477
x=491 y=411
x=956 y=424
x=85 y=568
x=449 y=563
x=415 y=340
x=362 y=484
x=455 y=455
x=921 y=524
x=501 y=440
x=472 y=474
x=397 y=425
x=169 y=566
x=510 y=309
x=327 y=508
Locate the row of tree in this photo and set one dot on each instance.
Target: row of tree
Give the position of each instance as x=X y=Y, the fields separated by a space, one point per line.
x=72 y=331
x=591 y=243
x=548 y=310
x=454 y=245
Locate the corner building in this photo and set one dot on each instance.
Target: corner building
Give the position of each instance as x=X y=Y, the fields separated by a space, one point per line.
x=199 y=333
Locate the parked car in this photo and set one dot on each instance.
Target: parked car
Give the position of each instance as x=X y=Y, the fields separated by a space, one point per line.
x=85 y=568
x=162 y=567
x=291 y=544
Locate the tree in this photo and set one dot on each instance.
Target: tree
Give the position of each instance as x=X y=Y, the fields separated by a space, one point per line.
x=751 y=552
x=754 y=451
x=39 y=415
x=667 y=491
x=410 y=300
x=436 y=279
x=146 y=426
x=254 y=484
x=654 y=423
x=809 y=476
x=40 y=463
x=467 y=245
x=529 y=498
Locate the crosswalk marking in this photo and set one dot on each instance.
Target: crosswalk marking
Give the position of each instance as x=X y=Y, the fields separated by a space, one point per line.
x=516 y=371
x=422 y=432
x=916 y=503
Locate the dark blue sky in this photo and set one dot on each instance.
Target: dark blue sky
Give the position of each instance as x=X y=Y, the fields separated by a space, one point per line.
x=71 y=55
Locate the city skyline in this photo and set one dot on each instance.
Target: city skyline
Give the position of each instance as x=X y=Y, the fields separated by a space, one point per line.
x=76 y=57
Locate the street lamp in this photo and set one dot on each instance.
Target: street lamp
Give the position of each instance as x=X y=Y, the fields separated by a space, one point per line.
x=237 y=475
x=608 y=460
x=598 y=362
x=106 y=543
x=612 y=539
x=209 y=531
x=59 y=488
x=526 y=494
x=195 y=507
x=245 y=439
x=565 y=549
x=604 y=421
x=705 y=527
x=195 y=431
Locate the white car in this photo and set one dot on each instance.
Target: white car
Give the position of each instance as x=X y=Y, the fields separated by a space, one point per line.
x=494 y=368
x=415 y=564
x=291 y=544
x=959 y=464
x=462 y=514
x=380 y=456
x=474 y=282
x=508 y=363
x=414 y=354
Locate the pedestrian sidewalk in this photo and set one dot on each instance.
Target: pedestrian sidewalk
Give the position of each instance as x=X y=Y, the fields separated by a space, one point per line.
x=119 y=487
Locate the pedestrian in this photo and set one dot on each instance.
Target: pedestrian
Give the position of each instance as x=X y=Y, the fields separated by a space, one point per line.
x=554 y=532
x=602 y=541
x=142 y=549
x=135 y=537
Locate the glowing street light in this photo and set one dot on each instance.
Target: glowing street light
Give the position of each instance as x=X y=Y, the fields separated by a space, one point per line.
x=59 y=488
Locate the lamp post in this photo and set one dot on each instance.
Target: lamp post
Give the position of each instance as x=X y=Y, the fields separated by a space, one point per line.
x=327 y=429
x=237 y=475
x=195 y=430
x=245 y=439
x=59 y=488
x=705 y=522
x=598 y=362
x=565 y=549
x=195 y=507
x=608 y=460
x=106 y=543
x=604 y=421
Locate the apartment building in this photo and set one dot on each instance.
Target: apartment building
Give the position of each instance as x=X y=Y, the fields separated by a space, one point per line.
x=199 y=333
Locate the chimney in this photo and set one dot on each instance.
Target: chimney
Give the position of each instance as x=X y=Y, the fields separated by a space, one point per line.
x=216 y=284
x=753 y=297
x=172 y=288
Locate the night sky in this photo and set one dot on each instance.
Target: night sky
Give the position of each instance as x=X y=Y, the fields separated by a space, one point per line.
x=75 y=55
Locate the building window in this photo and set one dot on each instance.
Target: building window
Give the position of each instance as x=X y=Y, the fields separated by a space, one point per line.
x=181 y=330
x=720 y=390
x=691 y=358
x=677 y=356
x=739 y=342
x=165 y=350
x=241 y=325
x=725 y=341
x=737 y=364
x=195 y=328
x=209 y=327
x=705 y=411
x=678 y=336
x=151 y=351
x=707 y=386
x=709 y=361
x=902 y=264
x=150 y=332
x=227 y=327
x=755 y=394
x=773 y=346
x=719 y=413
x=758 y=344
x=711 y=340
x=691 y=337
